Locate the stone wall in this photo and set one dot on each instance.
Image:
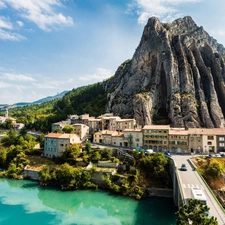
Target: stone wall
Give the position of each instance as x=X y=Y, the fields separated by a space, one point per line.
x=32 y=174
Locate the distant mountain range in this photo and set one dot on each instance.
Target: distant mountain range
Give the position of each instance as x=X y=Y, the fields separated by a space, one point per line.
x=3 y=107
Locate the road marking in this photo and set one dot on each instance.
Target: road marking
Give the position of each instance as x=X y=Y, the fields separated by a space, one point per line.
x=192 y=186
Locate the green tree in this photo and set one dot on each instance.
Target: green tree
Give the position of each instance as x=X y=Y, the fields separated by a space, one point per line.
x=3 y=157
x=71 y=152
x=194 y=213
x=41 y=140
x=88 y=147
x=214 y=169
x=57 y=130
x=10 y=139
x=106 y=153
x=23 y=131
x=69 y=129
x=8 y=124
x=95 y=156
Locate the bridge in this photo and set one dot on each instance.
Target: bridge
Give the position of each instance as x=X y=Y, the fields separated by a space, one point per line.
x=184 y=180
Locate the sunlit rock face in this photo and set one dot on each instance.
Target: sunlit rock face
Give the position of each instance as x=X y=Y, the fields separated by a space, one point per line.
x=176 y=76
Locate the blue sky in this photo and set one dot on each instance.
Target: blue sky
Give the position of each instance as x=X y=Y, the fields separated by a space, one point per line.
x=48 y=46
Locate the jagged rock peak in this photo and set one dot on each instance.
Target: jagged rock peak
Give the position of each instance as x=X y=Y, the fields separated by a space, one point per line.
x=176 y=76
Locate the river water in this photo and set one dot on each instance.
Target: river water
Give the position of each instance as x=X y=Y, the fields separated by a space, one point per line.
x=25 y=203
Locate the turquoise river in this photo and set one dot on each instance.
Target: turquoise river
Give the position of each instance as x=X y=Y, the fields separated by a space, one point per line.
x=25 y=203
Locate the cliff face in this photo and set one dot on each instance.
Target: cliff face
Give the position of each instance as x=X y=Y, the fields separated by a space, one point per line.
x=176 y=76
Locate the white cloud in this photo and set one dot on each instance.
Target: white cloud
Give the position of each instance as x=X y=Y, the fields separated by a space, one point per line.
x=20 y=23
x=48 y=83
x=17 y=77
x=5 y=23
x=6 y=32
x=41 y=12
x=11 y=36
x=2 y=5
x=163 y=9
x=4 y=85
x=99 y=75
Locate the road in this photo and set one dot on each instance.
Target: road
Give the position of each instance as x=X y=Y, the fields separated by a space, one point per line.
x=190 y=179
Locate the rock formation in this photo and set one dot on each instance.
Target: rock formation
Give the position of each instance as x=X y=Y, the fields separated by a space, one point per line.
x=176 y=76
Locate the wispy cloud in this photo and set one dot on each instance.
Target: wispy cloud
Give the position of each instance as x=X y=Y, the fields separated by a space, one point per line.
x=5 y=23
x=52 y=84
x=42 y=12
x=17 y=77
x=4 y=85
x=163 y=9
x=2 y=5
x=99 y=75
x=6 y=32
x=20 y=23
x=10 y=36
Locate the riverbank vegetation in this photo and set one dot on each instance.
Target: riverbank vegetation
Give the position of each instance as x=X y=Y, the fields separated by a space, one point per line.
x=78 y=166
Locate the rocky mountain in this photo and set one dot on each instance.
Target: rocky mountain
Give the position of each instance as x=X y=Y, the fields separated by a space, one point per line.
x=176 y=76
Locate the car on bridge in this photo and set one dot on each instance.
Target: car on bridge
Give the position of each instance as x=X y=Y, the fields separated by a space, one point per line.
x=183 y=167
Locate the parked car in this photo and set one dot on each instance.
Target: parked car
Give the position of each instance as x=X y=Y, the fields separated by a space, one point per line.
x=167 y=154
x=183 y=167
x=149 y=151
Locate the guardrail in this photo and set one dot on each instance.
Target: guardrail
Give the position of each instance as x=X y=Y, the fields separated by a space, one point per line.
x=178 y=182
x=180 y=186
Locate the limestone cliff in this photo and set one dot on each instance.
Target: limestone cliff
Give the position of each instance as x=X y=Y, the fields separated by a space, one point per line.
x=176 y=76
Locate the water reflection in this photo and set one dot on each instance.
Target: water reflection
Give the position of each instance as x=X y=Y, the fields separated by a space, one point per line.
x=84 y=207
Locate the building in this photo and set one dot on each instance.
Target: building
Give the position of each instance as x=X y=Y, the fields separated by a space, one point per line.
x=19 y=126
x=94 y=125
x=220 y=139
x=118 y=139
x=56 y=143
x=122 y=124
x=195 y=141
x=178 y=140
x=206 y=140
x=133 y=138
x=107 y=136
x=109 y=122
x=156 y=137
x=81 y=130
x=60 y=125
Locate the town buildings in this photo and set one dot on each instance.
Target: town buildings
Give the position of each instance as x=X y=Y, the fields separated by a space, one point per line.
x=111 y=130
x=55 y=143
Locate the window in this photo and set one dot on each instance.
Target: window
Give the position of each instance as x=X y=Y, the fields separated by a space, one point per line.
x=221 y=138
x=221 y=144
x=209 y=143
x=210 y=137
